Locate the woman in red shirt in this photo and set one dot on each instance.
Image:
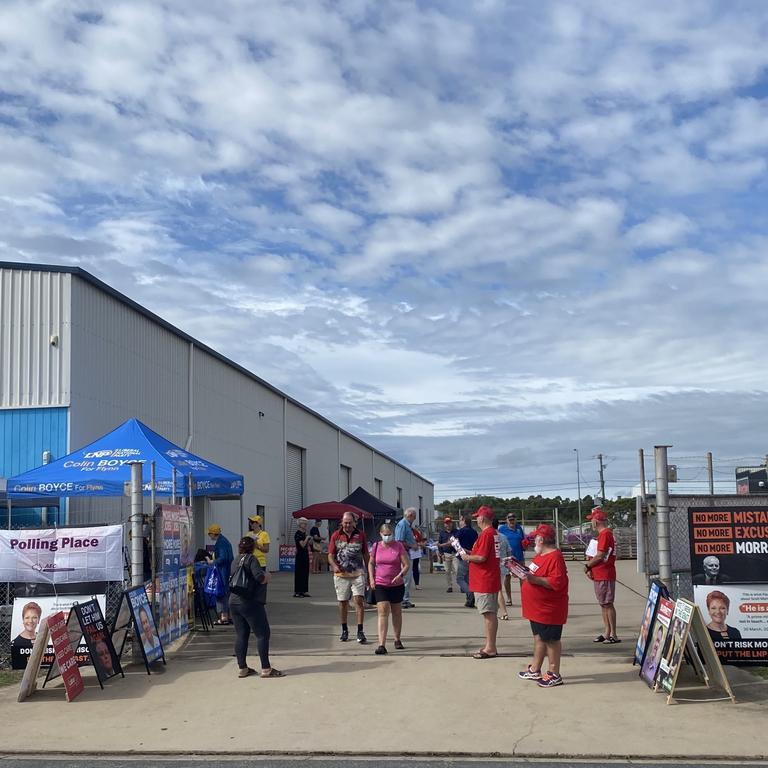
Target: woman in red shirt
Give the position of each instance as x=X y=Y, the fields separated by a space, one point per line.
x=544 y=595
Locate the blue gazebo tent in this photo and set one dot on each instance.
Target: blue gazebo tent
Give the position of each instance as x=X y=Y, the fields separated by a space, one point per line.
x=102 y=468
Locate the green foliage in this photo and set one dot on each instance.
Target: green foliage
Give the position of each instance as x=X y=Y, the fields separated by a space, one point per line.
x=620 y=512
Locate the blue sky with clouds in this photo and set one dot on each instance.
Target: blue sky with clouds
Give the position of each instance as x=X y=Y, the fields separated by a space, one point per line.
x=477 y=234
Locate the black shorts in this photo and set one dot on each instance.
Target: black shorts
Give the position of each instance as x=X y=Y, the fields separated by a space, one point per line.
x=549 y=633
x=389 y=594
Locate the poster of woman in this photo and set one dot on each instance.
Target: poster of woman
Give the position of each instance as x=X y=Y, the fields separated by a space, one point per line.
x=26 y=617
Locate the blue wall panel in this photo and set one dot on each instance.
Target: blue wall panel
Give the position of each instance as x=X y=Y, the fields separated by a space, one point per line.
x=24 y=434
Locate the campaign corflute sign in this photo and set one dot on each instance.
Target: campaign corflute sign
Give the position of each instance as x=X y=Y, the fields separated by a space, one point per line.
x=62 y=555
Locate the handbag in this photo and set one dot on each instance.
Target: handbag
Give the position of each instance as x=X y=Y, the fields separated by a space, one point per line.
x=212 y=584
x=241 y=581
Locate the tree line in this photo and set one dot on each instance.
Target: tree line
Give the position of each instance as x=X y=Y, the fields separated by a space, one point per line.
x=620 y=512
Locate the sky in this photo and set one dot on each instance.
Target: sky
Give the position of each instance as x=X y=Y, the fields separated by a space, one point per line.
x=481 y=236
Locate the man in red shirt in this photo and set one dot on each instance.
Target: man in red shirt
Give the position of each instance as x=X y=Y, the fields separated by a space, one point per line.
x=602 y=569
x=544 y=597
x=485 y=579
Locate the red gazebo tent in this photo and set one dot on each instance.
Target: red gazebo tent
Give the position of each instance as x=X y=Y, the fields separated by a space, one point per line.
x=330 y=510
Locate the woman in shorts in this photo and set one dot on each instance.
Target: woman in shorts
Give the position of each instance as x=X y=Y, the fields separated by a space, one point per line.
x=388 y=564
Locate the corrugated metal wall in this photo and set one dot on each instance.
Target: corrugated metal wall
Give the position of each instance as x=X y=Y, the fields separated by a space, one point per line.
x=25 y=433
x=34 y=306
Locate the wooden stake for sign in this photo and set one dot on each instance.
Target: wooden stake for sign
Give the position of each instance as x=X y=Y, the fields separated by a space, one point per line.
x=29 y=680
x=692 y=641
x=706 y=653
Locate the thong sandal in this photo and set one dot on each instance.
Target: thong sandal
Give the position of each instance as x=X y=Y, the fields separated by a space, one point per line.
x=273 y=673
x=483 y=655
x=504 y=617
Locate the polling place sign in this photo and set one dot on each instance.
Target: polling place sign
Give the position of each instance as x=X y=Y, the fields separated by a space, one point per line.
x=62 y=555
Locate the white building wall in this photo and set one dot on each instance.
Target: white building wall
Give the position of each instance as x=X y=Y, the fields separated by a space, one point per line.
x=238 y=423
x=112 y=362
x=34 y=307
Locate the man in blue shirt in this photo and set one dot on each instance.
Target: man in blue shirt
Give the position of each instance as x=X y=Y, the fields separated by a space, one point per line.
x=515 y=535
x=404 y=533
x=467 y=537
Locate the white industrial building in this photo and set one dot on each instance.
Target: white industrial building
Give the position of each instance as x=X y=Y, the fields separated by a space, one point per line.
x=77 y=358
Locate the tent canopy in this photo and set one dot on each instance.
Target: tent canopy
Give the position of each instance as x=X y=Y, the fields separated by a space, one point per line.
x=330 y=510
x=102 y=469
x=367 y=501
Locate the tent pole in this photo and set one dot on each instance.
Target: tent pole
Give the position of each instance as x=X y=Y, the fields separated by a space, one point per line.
x=190 y=488
x=152 y=553
x=173 y=485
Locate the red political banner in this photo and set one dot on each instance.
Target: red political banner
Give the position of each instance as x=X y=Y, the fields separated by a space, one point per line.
x=65 y=655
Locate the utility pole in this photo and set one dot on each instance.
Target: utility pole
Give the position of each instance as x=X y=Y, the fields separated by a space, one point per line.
x=710 y=474
x=602 y=478
x=578 y=485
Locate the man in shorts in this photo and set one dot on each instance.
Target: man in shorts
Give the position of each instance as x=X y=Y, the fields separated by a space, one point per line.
x=544 y=595
x=485 y=579
x=348 y=558
x=602 y=570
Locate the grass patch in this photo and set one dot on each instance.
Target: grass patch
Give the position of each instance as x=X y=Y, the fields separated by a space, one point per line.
x=760 y=672
x=10 y=677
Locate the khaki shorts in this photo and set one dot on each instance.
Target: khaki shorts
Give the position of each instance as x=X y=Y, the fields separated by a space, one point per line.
x=346 y=587
x=487 y=602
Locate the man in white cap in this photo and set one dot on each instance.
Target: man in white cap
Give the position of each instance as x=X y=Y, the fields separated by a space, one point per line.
x=602 y=570
x=261 y=540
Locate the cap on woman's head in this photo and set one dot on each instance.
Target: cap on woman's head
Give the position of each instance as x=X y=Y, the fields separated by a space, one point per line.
x=214 y=529
x=597 y=514
x=255 y=519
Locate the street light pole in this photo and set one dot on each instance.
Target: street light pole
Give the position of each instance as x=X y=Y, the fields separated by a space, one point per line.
x=578 y=485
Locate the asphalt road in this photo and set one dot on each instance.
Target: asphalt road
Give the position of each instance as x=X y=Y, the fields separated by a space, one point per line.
x=254 y=762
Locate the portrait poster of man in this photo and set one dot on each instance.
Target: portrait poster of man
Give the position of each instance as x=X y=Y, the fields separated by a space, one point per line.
x=28 y=613
x=674 y=647
x=98 y=640
x=657 y=638
x=144 y=622
x=649 y=614
x=728 y=545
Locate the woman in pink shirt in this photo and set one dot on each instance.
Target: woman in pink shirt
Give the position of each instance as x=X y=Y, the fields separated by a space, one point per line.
x=387 y=566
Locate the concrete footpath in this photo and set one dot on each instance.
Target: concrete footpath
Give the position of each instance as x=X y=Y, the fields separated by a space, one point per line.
x=431 y=699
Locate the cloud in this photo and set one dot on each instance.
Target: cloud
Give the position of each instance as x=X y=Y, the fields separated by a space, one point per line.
x=472 y=233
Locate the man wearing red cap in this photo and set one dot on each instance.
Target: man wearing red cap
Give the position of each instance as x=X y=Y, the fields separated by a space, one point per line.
x=602 y=569
x=485 y=579
x=544 y=596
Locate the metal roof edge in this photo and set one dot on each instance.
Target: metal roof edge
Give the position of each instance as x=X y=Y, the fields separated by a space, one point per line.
x=101 y=285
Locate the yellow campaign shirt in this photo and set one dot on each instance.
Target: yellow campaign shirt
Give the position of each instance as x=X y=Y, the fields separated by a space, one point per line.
x=262 y=537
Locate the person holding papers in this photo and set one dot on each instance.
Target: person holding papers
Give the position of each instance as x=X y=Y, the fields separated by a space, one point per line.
x=601 y=568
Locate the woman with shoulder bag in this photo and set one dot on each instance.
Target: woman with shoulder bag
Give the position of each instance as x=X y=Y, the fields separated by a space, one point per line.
x=388 y=564
x=248 y=610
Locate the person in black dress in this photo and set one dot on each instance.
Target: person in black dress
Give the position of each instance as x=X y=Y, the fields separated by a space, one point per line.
x=301 y=574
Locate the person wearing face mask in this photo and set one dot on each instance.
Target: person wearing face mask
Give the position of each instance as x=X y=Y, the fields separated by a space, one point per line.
x=387 y=567
x=544 y=597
